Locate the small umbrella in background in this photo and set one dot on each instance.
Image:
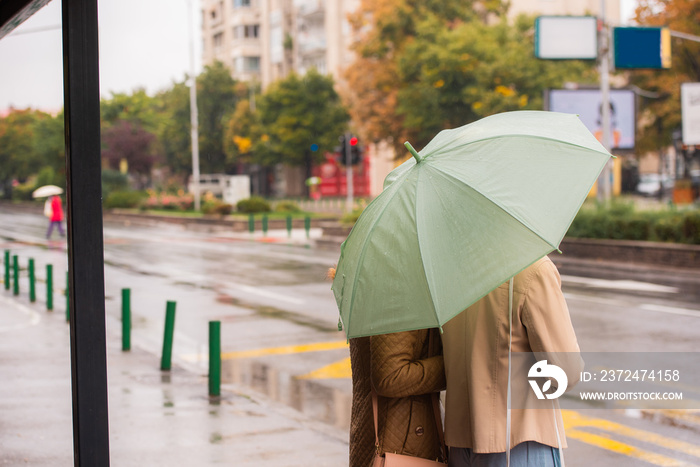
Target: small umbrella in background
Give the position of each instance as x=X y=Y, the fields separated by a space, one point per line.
x=476 y=206
x=46 y=191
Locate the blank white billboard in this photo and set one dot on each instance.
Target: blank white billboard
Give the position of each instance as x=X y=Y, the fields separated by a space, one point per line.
x=690 y=112
x=566 y=37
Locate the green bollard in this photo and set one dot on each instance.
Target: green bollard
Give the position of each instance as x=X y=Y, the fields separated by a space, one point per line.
x=126 y=319
x=7 y=269
x=165 y=361
x=49 y=287
x=214 y=358
x=32 y=281
x=15 y=274
x=251 y=223
x=307 y=226
x=289 y=226
x=67 y=297
x=264 y=225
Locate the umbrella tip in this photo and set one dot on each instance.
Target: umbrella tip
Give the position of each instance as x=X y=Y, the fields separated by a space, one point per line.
x=413 y=152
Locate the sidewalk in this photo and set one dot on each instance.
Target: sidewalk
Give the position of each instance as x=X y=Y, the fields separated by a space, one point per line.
x=156 y=418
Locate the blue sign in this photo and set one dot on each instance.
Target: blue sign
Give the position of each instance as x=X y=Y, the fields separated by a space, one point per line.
x=314 y=147
x=642 y=47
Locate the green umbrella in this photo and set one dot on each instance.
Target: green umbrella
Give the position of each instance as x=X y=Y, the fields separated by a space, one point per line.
x=476 y=206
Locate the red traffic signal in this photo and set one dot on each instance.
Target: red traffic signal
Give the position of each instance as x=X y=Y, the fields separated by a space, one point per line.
x=353 y=141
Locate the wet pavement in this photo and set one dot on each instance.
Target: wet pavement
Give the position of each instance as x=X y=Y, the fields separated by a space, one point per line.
x=156 y=418
x=286 y=400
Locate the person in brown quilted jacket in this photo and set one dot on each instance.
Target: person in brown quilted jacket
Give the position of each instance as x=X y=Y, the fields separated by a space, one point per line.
x=406 y=370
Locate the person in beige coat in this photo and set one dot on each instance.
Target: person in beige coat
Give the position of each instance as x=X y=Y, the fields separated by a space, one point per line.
x=476 y=348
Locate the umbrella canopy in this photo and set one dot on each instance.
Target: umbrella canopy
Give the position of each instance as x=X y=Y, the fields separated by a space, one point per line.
x=476 y=206
x=47 y=190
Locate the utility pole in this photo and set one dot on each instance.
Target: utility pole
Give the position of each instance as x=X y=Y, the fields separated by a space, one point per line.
x=194 y=125
x=604 y=182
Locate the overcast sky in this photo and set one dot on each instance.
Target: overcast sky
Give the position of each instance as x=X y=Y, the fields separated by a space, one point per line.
x=143 y=43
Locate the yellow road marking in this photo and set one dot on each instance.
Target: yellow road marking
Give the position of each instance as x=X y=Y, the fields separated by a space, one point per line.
x=573 y=420
x=286 y=350
x=337 y=370
x=622 y=448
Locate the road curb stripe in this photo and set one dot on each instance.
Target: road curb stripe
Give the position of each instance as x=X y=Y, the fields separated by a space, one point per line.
x=625 y=449
x=285 y=350
x=574 y=420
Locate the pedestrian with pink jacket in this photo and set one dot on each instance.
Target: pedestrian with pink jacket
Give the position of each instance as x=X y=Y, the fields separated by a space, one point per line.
x=56 y=217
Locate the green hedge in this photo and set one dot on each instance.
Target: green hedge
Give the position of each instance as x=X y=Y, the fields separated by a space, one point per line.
x=124 y=199
x=621 y=221
x=253 y=205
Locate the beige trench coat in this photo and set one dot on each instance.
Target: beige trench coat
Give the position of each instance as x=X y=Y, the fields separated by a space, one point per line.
x=475 y=346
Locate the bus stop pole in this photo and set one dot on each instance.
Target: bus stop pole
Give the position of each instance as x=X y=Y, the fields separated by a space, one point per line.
x=85 y=247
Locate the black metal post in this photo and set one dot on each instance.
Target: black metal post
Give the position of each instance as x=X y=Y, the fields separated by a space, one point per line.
x=85 y=248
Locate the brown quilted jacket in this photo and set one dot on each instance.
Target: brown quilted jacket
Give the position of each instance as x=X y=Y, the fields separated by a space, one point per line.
x=404 y=375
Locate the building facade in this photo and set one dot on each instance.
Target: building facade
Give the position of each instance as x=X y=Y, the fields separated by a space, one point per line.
x=265 y=40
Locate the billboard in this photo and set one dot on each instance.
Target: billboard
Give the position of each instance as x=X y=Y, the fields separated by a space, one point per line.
x=586 y=103
x=566 y=37
x=690 y=113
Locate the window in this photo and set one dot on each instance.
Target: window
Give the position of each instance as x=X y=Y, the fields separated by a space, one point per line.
x=218 y=41
x=241 y=3
x=247 y=64
x=246 y=31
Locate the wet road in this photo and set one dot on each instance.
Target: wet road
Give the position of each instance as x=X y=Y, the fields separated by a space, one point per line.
x=279 y=323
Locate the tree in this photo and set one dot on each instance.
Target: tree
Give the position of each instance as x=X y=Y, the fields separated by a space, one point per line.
x=50 y=146
x=174 y=130
x=297 y=112
x=243 y=136
x=216 y=99
x=456 y=75
x=662 y=115
x=127 y=141
x=217 y=95
x=137 y=107
x=18 y=156
x=383 y=29
x=425 y=66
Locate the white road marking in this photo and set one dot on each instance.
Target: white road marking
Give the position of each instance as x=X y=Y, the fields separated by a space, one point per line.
x=619 y=284
x=671 y=309
x=34 y=317
x=267 y=294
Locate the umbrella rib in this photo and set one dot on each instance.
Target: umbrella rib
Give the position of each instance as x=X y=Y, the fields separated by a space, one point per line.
x=502 y=208
x=361 y=260
x=420 y=252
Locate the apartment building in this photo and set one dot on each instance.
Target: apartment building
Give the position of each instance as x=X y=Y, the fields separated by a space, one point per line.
x=264 y=40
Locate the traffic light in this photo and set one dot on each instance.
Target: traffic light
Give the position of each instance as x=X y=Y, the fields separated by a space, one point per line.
x=355 y=151
x=352 y=145
x=342 y=149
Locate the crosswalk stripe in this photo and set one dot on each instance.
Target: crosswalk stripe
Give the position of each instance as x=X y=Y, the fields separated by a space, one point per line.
x=574 y=420
x=626 y=449
x=287 y=349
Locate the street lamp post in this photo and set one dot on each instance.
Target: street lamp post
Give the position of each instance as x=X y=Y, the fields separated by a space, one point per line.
x=604 y=188
x=194 y=126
